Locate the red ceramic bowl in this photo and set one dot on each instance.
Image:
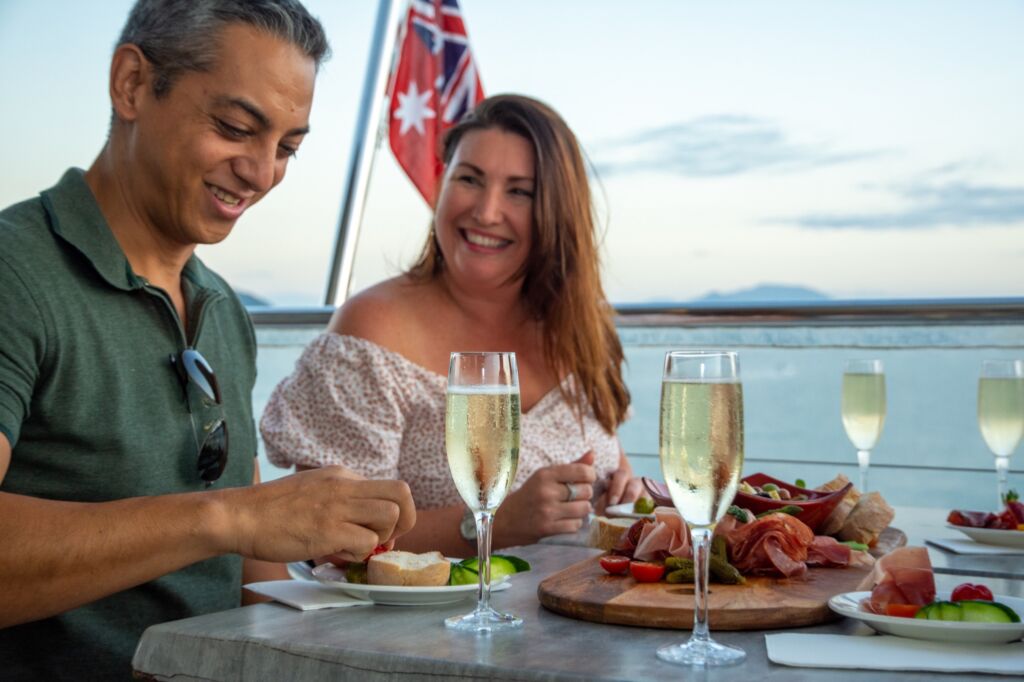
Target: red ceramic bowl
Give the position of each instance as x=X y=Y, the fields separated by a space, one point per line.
x=816 y=508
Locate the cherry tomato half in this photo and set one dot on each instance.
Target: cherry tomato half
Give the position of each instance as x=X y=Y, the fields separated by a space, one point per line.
x=646 y=572
x=971 y=591
x=616 y=565
x=902 y=610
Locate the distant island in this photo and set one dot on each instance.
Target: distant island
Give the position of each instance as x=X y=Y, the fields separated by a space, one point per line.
x=776 y=293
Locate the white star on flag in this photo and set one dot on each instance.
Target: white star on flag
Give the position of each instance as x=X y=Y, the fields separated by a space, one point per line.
x=412 y=109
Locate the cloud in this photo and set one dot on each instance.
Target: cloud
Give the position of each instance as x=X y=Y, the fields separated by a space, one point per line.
x=959 y=204
x=714 y=146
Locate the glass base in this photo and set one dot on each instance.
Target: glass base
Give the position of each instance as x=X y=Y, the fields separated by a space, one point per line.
x=701 y=652
x=484 y=620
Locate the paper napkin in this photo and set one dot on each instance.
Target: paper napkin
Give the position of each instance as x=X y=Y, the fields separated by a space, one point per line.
x=967 y=546
x=885 y=652
x=305 y=595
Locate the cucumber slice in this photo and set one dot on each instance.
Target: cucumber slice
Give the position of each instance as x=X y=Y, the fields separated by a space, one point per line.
x=940 y=610
x=977 y=611
x=973 y=611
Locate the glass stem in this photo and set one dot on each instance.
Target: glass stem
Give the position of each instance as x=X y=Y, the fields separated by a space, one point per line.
x=701 y=538
x=864 y=460
x=484 y=522
x=1002 y=469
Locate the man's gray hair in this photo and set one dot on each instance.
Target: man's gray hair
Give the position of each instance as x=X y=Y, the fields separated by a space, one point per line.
x=178 y=36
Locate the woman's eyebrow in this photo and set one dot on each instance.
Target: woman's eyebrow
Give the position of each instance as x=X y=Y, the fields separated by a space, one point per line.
x=479 y=171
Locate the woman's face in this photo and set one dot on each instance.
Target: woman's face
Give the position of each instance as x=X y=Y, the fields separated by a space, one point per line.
x=484 y=216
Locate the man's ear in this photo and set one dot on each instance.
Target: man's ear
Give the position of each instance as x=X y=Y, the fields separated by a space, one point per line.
x=130 y=76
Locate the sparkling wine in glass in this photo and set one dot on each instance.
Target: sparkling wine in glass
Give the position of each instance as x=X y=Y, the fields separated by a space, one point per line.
x=1001 y=413
x=482 y=440
x=701 y=444
x=863 y=409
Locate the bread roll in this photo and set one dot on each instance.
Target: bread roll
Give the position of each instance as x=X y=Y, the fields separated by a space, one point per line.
x=605 y=532
x=868 y=519
x=405 y=568
x=837 y=518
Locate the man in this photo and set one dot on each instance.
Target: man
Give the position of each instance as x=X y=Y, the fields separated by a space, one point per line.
x=126 y=366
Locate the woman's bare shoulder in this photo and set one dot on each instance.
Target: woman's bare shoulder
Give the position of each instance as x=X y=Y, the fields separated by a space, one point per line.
x=387 y=313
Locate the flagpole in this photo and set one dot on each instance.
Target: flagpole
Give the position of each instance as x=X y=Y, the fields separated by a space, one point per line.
x=364 y=146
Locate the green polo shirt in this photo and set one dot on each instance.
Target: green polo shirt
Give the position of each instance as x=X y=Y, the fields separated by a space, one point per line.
x=95 y=411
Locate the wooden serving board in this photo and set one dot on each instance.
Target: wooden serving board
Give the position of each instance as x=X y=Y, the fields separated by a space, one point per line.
x=586 y=592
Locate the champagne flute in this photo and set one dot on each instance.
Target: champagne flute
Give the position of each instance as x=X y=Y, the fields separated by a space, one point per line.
x=701 y=444
x=1001 y=413
x=482 y=440
x=863 y=409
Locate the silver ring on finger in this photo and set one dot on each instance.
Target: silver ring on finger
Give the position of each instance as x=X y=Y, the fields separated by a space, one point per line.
x=572 y=492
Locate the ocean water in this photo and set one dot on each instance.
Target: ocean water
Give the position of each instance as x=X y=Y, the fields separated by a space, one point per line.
x=930 y=453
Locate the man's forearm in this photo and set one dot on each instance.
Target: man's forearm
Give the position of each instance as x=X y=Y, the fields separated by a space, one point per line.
x=60 y=555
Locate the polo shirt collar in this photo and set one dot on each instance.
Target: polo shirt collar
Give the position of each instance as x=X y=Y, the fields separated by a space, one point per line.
x=75 y=216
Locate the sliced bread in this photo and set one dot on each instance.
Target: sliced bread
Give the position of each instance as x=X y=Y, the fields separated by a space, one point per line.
x=430 y=569
x=605 y=532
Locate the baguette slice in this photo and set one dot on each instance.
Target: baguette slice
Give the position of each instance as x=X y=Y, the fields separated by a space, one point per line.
x=837 y=518
x=405 y=568
x=867 y=520
x=605 y=532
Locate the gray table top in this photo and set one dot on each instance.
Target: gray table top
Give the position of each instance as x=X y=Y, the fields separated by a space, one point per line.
x=275 y=642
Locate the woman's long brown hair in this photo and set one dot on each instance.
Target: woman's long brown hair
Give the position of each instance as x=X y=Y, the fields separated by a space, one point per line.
x=561 y=275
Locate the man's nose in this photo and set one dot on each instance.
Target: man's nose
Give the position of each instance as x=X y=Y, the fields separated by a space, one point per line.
x=258 y=168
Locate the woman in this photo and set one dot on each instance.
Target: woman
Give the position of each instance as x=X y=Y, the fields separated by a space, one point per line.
x=510 y=264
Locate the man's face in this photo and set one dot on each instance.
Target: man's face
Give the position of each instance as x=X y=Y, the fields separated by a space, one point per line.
x=220 y=140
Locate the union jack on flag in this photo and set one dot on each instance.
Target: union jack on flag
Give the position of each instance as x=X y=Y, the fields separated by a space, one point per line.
x=435 y=83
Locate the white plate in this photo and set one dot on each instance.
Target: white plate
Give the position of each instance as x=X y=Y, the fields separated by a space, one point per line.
x=625 y=510
x=395 y=595
x=848 y=605
x=992 y=536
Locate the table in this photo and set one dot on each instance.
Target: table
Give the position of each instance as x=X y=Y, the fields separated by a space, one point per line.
x=275 y=642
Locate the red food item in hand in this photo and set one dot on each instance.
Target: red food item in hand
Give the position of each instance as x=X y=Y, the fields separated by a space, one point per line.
x=966 y=591
x=902 y=610
x=616 y=565
x=379 y=549
x=646 y=572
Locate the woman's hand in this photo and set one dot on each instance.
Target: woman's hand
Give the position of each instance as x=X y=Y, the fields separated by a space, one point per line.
x=555 y=499
x=621 y=486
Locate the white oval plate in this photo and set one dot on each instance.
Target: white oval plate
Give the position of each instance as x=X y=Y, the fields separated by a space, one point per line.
x=625 y=510
x=848 y=605
x=992 y=536
x=397 y=595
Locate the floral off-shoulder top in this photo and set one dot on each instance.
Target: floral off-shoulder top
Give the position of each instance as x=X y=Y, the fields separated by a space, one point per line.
x=354 y=403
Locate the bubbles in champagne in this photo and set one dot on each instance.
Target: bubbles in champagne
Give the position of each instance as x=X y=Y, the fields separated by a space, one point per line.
x=482 y=440
x=701 y=443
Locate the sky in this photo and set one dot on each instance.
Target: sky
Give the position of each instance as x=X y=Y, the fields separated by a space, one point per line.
x=852 y=149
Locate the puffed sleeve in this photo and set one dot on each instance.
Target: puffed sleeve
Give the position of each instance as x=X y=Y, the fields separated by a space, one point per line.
x=343 y=404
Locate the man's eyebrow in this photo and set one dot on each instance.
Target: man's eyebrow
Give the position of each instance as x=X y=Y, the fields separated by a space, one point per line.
x=256 y=113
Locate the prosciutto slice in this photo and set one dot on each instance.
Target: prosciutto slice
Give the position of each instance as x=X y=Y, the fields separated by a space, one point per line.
x=903 y=576
x=667 y=536
x=776 y=544
x=828 y=552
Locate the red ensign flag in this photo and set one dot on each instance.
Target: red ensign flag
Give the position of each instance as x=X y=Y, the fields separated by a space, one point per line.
x=435 y=83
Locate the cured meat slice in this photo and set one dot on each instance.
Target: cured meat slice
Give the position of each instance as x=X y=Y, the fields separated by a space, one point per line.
x=903 y=576
x=667 y=536
x=776 y=544
x=829 y=552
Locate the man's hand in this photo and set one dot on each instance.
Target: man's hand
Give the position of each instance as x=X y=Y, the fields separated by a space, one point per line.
x=315 y=513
